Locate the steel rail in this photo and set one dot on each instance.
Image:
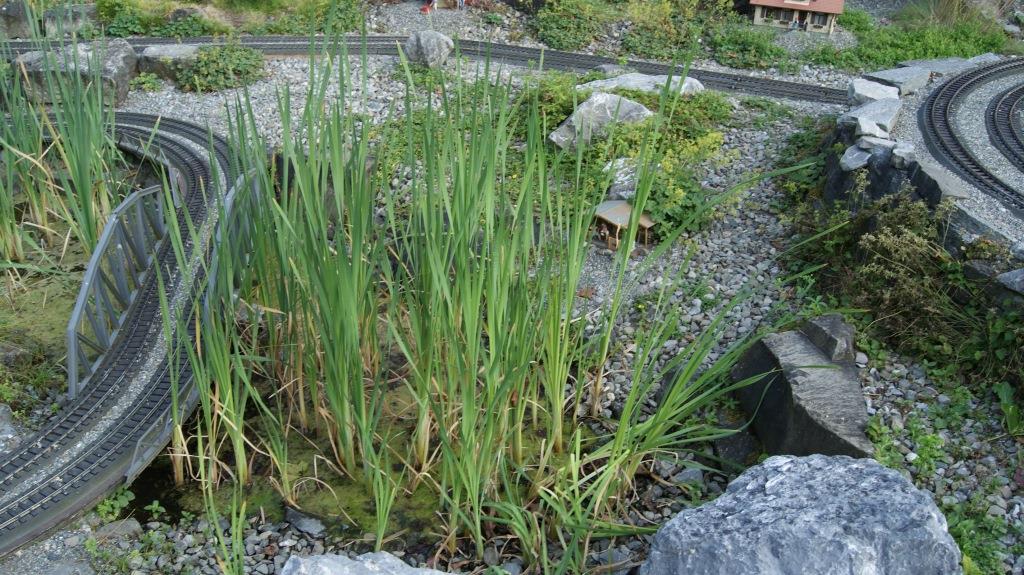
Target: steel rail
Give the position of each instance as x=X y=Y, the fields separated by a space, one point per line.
x=935 y=119
x=1004 y=125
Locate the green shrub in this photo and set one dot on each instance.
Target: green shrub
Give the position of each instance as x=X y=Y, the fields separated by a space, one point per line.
x=146 y=81
x=314 y=17
x=568 y=24
x=220 y=68
x=188 y=27
x=856 y=21
x=743 y=46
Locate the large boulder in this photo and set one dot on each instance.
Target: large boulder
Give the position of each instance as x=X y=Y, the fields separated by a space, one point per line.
x=380 y=563
x=862 y=91
x=801 y=401
x=643 y=83
x=594 y=116
x=881 y=113
x=907 y=80
x=854 y=158
x=115 y=59
x=814 y=515
x=165 y=60
x=428 y=48
x=15 y=19
x=69 y=20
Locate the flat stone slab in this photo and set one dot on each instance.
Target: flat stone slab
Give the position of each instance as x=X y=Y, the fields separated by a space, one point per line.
x=862 y=91
x=940 y=66
x=643 y=83
x=854 y=158
x=380 y=563
x=801 y=402
x=1013 y=281
x=882 y=113
x=833 y=336
x=165 y=60
x=907 y=80
x=814 y=515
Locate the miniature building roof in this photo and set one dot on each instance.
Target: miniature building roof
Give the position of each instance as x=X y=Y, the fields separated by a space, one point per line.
x=616 y=213
x=826 y=6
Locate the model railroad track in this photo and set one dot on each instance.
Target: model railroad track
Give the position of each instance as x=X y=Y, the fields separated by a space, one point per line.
x=85 y=451
x=78 y=457
x=936 y=122
x=1004 y=124
x=502 y=53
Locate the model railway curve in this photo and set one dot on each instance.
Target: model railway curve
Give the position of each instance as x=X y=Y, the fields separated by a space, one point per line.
x=935 y=118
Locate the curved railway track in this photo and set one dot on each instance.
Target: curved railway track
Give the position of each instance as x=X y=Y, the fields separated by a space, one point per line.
x=1004 y=124
x=81 y=455
x=935 y=118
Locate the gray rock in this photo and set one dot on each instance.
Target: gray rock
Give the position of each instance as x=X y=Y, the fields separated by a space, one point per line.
x=871 y=143
x=380 y=563
x=624 y=178
x=907 y=80
x=862 y=91
x=882 y=113
x=13 y=354
x=903 y=154
x=594 y=116
x=833 y=336
x=983 y=59
x=428 y=48
x=854 y=158
x=15 y=19
x=1012 y=30
x=940 y=66
x=643 y=83
x=866 y=127
x=1018 y=17
x=9 y=436
x=120 y=529
x=1013 y=281
x=70 y=568
x=812 y=515
x=69 y=20
x=165 y=60
x=115 y=58
x=800 y=401
x=304 y=523
x=613 y=69
x=947 y=185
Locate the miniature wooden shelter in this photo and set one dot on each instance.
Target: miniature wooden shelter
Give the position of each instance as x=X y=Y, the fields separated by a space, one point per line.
x=810 y=15
x=613 y=217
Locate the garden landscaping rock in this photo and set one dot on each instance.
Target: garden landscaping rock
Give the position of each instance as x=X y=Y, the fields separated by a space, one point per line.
x=121 y=529
x=69 y=20
x=116 y=59
x=624 y=179
x=1013 y=281
x=613 y=69
x=907 y=80
x=380 y=563
x=868 y=128
x=940 y=66
x=13 y=354
x=903 y=154
x=833 y=336
x=881 y=113
x=165 y=60
x=809 y=515
x=854 y=158
x=9 y=436
x=801 y=402
x=304 y=523
x=863 y=91
x=643 y=83
x=14 y=20
x=428 y=48
x=594 y=116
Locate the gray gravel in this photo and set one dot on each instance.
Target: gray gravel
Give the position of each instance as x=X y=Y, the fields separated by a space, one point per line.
x=797 y=41
x=884 y=9
x=471 y=23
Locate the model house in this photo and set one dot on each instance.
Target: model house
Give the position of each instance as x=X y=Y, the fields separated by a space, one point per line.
x=811 y=15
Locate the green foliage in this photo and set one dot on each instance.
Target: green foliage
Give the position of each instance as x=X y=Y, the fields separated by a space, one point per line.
x=770 y=110
x=188 y=27
x=806 y=145
x=927 y=446
x=123 y=18
x=111 y=508
x=146 y=81
x=885 y=46
x=1012 y=416
x=568 y=24
x=881 y=436
x=313 y=16
x=978 y=534
x=221 y=68
x=156 y=511
x=24 y=386
x=744 y=46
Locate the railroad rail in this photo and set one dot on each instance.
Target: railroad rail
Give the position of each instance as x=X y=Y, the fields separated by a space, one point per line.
x=498 y=53
x=1005 y=126
x=935 y=118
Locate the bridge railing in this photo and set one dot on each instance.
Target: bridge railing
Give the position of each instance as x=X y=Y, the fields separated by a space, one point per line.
x=118 y=267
